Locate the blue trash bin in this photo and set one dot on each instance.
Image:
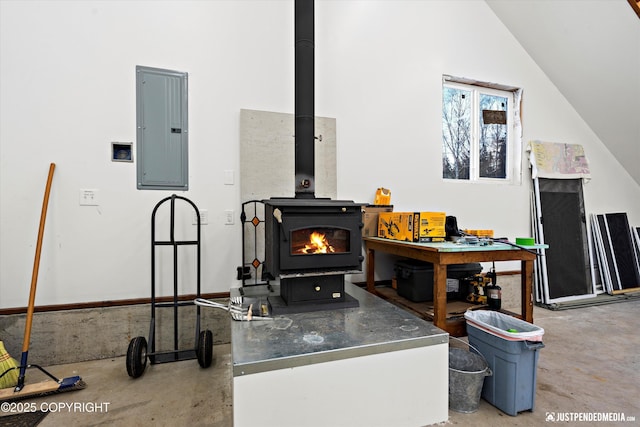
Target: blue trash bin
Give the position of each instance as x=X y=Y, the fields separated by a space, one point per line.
x=512 y=360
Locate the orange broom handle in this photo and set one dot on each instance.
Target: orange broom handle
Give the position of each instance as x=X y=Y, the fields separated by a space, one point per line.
x=36 y=261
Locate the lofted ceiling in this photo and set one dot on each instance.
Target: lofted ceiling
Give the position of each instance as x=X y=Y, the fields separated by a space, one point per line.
x=590 y=50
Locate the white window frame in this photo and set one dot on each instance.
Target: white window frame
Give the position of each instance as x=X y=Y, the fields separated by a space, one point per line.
x=513 y=168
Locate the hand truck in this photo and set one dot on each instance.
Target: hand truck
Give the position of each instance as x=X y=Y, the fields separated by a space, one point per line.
x=138 y=351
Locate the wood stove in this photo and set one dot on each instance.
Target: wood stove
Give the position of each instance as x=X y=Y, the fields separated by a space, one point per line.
x=310 y=244
x=312 y=236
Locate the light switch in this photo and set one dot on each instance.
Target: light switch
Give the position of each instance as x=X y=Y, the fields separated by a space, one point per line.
x=228 y=177
x=229 y=217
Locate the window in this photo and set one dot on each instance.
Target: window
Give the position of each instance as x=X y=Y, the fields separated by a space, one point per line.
x=479 y=123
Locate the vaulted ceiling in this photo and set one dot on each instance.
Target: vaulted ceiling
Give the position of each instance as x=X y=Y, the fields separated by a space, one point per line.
x=590 y=50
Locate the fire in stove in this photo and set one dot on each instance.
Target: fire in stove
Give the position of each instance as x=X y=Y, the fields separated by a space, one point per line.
x=319 y=241
x=318 y=244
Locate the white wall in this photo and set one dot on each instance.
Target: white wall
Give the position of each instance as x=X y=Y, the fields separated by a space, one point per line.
x=67 y=89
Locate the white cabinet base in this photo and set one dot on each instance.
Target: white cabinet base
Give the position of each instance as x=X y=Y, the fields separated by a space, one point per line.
x=397 y=388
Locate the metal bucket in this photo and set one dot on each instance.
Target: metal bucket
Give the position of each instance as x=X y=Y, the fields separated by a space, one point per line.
x=467 y=371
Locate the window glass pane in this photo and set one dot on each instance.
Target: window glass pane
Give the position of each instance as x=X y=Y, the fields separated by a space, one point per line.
x=456 y=133
x=493 y=136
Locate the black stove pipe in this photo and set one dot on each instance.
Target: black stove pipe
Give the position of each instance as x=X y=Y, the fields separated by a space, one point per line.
x=304 y=99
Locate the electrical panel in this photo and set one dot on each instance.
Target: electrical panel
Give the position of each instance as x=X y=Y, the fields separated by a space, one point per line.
x=162 y=129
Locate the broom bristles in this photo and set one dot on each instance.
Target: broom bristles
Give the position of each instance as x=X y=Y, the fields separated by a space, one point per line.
x=8 y=369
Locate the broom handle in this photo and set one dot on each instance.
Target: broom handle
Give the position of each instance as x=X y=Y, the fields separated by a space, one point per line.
x=36 y=266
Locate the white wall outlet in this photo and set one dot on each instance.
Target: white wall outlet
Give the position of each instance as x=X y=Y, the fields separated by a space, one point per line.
x=89 y=197
x=229 y=217
x=204 y=217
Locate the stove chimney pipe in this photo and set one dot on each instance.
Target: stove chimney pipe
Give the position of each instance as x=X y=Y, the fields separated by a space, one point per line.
x=304 y=99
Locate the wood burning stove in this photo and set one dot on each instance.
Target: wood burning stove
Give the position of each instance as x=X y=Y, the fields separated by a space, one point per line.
x=310 y=244
x=309 y=236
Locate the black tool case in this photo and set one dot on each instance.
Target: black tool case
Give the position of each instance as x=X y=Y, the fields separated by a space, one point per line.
x=415 y=279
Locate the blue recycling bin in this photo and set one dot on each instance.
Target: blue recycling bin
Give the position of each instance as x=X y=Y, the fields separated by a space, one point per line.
x=511 y=356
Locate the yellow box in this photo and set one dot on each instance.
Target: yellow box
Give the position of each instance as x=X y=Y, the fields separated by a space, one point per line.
x=430 y=226
x=412 y=226
x=487 y=234
x=396 y=225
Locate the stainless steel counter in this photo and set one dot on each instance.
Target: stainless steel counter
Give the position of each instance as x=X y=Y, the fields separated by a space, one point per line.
x=300 y=339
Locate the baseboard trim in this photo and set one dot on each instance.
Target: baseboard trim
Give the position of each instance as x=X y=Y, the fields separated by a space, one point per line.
x=135 y=301
x=112 y=303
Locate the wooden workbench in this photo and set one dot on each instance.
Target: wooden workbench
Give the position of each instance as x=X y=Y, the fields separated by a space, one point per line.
x=446 y=253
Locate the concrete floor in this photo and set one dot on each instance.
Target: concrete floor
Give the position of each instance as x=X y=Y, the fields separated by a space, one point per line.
x=590 y=363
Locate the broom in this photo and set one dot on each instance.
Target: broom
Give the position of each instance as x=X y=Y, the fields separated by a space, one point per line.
x=53 y=385
x=8 y=367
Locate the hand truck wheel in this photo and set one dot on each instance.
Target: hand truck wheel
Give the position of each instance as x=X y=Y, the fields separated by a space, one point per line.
x=205 y=348
x=137 y=357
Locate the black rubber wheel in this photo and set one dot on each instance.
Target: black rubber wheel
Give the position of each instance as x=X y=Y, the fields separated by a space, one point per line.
x=137 y=357
x=205 y=348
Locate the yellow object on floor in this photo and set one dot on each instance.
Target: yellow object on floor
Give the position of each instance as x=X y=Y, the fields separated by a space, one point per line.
x=8 y=369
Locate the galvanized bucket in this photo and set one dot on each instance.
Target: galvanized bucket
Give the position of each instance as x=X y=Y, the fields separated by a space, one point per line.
x=467 y=371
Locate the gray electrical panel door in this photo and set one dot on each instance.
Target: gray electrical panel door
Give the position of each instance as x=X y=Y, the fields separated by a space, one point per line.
x=162 y=133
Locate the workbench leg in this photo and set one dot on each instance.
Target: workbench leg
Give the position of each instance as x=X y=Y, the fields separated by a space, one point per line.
x=527 y=290
x=440 y=296
x=371 y=264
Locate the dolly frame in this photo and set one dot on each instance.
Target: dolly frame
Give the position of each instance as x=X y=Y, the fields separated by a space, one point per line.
x=137 y=353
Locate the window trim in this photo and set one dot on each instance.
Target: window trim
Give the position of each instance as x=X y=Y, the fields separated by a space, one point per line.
x=514 y=148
